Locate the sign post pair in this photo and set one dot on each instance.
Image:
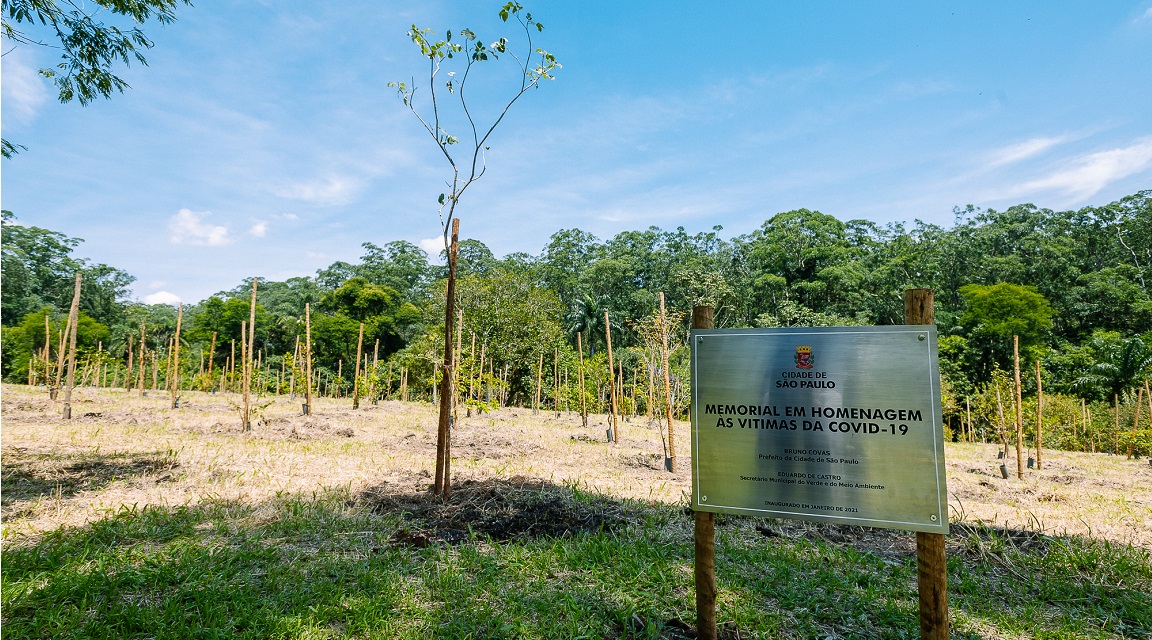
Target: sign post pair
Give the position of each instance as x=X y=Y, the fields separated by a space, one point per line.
x=838 y=425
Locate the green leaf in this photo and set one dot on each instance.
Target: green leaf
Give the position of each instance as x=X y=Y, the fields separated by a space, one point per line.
x=441 y=199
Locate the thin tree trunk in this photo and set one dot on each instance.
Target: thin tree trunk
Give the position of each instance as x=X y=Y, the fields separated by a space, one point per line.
x=443 y=481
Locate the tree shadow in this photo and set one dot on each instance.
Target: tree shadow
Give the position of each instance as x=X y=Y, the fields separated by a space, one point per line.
x=26 y=477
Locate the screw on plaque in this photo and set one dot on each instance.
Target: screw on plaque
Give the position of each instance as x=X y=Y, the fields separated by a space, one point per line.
x=703 y=498
x=922 y=337
x=934 y=518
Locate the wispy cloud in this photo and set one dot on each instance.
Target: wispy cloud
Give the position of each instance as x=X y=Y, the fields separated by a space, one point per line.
x=189 y=227
x=331 y=190
x=1024 y=150
x=24 y=91
x=258 y=229
x=1085 y=176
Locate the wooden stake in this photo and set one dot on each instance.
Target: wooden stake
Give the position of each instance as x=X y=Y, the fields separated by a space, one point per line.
x=131 y=353
x=1039 y=416
x=356 y=375
x=931 y=564
x=611 y=383
x=580 y=369
x=1019 y=408
x=1136 y=421
x=539 y=383
x=704 y=538
x=73 y=322
x=251 y=348
x=142 y=361
x=176 y=358
x=667 y=385
x=307 y=359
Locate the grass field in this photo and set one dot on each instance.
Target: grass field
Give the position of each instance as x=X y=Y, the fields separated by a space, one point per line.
x=134 y=520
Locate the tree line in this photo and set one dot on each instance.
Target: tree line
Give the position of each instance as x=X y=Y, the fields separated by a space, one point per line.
x=1070 y=286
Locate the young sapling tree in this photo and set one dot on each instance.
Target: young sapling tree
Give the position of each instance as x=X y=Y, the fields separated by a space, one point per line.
x=457 y=60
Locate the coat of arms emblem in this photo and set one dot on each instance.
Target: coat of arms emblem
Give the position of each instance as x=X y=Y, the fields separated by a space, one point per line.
x=804 y=357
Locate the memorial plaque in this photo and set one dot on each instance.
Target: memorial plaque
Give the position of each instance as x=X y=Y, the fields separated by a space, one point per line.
x=836 y=424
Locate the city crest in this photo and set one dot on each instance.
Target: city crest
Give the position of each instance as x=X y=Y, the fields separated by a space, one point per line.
x=804 y=357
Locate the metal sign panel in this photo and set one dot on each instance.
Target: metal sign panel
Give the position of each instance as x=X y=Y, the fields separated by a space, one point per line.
x=834 y=424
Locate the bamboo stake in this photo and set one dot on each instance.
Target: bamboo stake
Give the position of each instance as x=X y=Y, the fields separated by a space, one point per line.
x=356 y=375
x=556 y=380
x=128 y=374
x=143 y=362
x=1039 y=416
x=443 y=481
x=611 y=383
x=1116 y=437
x=1019 y=409
x=667 y=385
x=539 y=383
x=1136 y=421
x=212 y=355
x=307 y=359
x=176 y=358
x=580 y=370
x=73 y=321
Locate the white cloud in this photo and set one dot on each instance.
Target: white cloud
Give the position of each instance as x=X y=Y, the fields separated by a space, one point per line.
x=188 y=227
x=259 y=229
x=162 y=297
x=432 y=246
x=289 y=216
x=1086 y=176
x=1024 y=150
x=24 y=91
x=333 y=190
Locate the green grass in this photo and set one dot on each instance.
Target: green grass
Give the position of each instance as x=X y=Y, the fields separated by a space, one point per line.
x=328 y=566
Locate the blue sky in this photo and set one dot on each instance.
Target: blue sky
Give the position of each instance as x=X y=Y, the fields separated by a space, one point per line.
x=262 y=139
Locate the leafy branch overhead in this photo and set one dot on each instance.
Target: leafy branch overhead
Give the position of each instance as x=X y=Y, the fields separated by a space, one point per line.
x=535 y=64
x=89 y=46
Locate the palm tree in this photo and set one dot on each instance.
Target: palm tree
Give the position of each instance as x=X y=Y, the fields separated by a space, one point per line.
x=1120 y=364
x=586 y=315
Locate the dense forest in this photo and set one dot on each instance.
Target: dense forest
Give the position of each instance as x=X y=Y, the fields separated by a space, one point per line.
x=1072 y=285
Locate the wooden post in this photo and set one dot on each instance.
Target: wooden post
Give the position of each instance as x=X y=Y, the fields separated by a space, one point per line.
x=131 y=354
x=73 y=321
x=443 y=481
x=611 y=383
x=1039 y=416
x=356 y=375
x=931 y=566
x=176 y=358
x=704 y=538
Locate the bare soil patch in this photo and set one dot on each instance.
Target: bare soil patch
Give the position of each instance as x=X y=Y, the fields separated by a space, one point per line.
x=516 y=474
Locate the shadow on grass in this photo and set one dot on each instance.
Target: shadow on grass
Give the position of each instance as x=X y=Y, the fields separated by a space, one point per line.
x=26 y=476
x=524 y=558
